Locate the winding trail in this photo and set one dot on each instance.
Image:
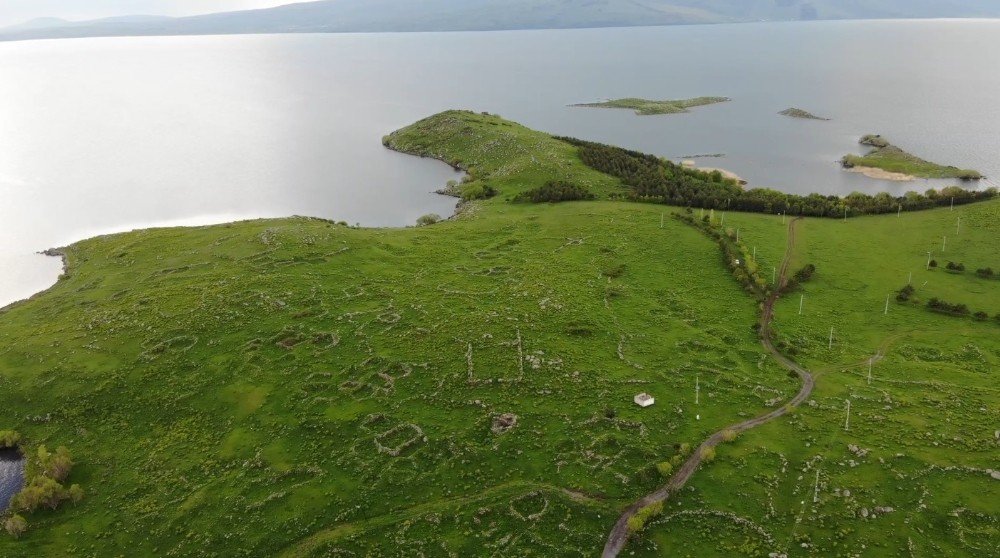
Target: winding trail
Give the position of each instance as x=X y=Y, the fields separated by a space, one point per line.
x=619 y=534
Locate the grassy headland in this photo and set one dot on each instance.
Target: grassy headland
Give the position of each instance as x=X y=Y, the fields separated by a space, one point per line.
x=799 y=113
x=300 y=388
x=646 y=107
x=887 y=157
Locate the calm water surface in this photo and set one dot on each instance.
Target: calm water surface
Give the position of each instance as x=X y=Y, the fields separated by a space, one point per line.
x=103 y=135
x=11 y=475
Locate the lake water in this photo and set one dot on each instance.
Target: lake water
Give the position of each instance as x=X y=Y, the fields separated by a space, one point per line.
x=11 y=475
x=102 y=135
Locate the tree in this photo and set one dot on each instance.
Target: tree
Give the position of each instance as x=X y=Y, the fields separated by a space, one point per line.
x=15 y=526
x=75 y=493
x=428 y=219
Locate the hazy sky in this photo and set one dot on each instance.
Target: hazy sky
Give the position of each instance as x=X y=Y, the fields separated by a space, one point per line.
x=17 y=11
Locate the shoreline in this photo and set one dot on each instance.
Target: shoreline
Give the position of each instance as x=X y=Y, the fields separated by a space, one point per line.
x=881 y=174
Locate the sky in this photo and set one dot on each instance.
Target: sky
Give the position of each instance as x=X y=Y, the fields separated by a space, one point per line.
x=18 y=11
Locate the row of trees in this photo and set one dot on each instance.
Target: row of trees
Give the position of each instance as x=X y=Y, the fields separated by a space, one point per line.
x=652 y=179
x=556 y=191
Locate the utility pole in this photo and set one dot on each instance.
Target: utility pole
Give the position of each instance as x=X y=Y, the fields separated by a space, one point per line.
x=953 y=203
x=958 y=228
x=755 y=254
x=944 y=244
x=831 y=338
x=870 y=361
x=723 y=223
x=899 y=212
x=845 y=213
x=802 y=300
x=697 y=388
x=774 y=276
x=928 y=260
x=910 y=280
x=661 y=220
x=737 y=236
x=847 y=423
x=887 y=304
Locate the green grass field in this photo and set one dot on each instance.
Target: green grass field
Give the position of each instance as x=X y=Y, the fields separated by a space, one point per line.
x=294 y=387
x=646 y=107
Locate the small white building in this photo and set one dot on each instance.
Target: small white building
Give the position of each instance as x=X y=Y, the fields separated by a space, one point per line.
x=644 y=400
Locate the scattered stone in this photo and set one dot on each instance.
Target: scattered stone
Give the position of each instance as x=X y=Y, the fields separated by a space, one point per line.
x=503 y=423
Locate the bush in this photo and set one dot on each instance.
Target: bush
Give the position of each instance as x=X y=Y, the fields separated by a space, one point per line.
x=75 y=493
x=729 y=435
x=428 y=219
x=477 y=191
x=933 y=264
x=9 y=439
x=804 y=274
x=986 y=273
x=556 y=191
x=943 y=307
x=41 y=491
x=708 y=455
x=981 y=316
x=665 y=468
x=905 y=293
x=15 y=526
x=952 y=266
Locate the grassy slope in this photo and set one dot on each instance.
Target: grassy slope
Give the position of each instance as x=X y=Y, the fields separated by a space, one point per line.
x=928 y=417
x=159 y=360
x=888 y=157
x=646 y=107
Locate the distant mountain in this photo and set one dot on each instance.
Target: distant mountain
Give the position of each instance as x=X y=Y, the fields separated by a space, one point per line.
x=338 y=16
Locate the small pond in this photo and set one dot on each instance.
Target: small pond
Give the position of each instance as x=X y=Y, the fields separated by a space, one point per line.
x=11 y=475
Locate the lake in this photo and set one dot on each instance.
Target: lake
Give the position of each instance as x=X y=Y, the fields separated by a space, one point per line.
x=104 y=135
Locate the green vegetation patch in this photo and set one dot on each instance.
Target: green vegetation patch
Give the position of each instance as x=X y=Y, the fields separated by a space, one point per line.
x=646 y=107
x=888 y=157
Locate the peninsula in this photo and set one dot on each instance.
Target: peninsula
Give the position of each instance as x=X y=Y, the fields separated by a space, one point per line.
x=886 y=161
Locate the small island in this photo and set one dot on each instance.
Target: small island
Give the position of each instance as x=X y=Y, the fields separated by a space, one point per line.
x=799 y=113
x=888 y=162
x=646 y=107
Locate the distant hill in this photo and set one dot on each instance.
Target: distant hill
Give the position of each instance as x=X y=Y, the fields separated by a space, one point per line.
x=337 y=16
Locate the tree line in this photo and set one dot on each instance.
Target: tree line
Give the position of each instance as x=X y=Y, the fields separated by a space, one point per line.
x=656 y=180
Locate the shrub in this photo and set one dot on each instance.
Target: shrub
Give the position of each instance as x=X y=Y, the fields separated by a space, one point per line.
x=428 y=219
x=958 y=267
x=708 y=455
x=15 y=526
x=57 y=465
x=556 y=191
x=665 y=468
x=477 y=191
x=729 y=435
x=614 y=271
x=938 y=305
x=9 y=439
x=804 y=274
x=75 y=493
x=986 y=273
x=905 y=293
x=981 y=316
x=41 y=491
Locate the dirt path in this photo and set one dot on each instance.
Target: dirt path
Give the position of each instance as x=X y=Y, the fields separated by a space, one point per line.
x=619 y=534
